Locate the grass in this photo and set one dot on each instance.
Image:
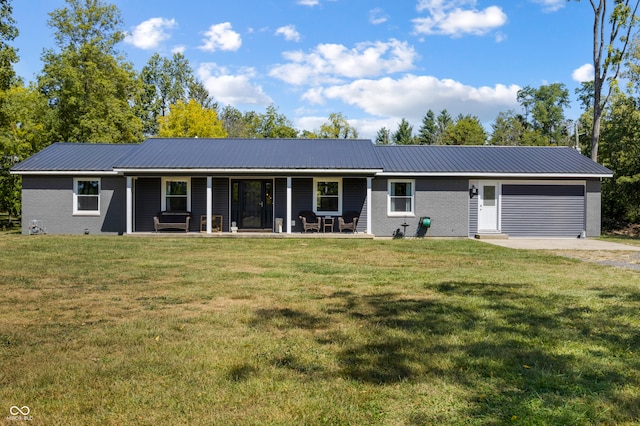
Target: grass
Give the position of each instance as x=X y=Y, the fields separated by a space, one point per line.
x=623 y=239
x=117 y=330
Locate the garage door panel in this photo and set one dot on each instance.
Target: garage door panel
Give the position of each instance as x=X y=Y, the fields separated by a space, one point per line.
x=543 y=210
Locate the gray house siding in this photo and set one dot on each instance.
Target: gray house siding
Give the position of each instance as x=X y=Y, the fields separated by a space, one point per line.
x=49 y=199
x=280 y=202
x=473 y=211
x=147 y=203
x=198 y=202
x=593 y=207
x=444 y=200
x=354 y=198
x=220 y=189
x=301 y=199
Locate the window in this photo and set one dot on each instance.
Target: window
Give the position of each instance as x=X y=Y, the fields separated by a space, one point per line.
x=175 y=195
x=327 y=196
x=401 y=198
x=86 y=196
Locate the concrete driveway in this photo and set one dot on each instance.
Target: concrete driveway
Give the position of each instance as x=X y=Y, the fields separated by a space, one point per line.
x=560 y=244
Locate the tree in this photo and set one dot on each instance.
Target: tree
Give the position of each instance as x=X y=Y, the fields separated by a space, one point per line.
x=24 y=112
x=167 y=81
x=87 y=83
x=383 y=137
x=337 y=127
x=271 y=124
x=199 y=93
x=611 y=36
x=466 y=130
x=234 y=122
x=191 y=120
x=8 y=54
x=620 y=143
x=443 y=121
x=404 y=134
x=508 y=129
x=546 y=106
x=428 y=133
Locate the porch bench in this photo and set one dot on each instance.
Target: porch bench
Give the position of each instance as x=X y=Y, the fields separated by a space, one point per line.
x=172 y=220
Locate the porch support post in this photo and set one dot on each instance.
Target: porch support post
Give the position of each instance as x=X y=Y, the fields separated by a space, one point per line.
x=129 y=205
x=369 y=182
x=209 y=202
x=289 y=203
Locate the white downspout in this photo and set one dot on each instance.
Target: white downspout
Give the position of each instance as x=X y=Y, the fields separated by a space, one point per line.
x=289 y=203
x=209 y=203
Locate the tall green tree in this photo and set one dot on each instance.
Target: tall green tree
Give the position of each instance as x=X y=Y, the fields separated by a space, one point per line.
x=612 y=29
x=87 y=82
x=545 y=105
x=383 y=137
x=620 y=151
x=443 y=121
x=271 y=124
x=428 y=133
x=23 y=133
x=466 y=130
x=8 y=54
x=404 y=134
x=190 y=120
x=167 y=81
x=234 y=122
x=337 y=127
x=508 y=129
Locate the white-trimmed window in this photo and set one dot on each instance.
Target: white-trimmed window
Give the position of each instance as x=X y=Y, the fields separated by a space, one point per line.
x=401 y=197
x=176 y=194
x=327 y=196
x=86 y=196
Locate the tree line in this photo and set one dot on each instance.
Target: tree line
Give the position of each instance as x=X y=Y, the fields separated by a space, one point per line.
x=88 y=92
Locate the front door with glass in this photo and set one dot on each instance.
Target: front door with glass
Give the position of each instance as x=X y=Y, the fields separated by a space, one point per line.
x=252 y=204
x=488 y=207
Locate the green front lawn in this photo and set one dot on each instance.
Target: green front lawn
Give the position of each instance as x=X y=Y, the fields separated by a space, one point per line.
x=125 y=330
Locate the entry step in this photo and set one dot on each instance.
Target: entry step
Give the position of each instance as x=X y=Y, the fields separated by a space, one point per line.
x=492 y=236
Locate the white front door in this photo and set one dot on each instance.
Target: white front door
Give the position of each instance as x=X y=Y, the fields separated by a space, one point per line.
x=488 y=206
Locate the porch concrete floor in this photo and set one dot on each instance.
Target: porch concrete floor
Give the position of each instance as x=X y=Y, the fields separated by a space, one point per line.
x=327 y=235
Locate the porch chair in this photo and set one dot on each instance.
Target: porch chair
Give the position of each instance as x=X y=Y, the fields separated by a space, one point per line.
x=348 y=221
x=310 y=222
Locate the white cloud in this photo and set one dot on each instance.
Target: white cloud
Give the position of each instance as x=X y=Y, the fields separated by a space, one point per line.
x=584 y=73
x=551 y=5
x=309 y=2
x=149 y=34
x=180 y=48
x=232 y=89
x=328 y=63
x=412 y=96
x=289 y=32
x=221 y=37
x=377 y=16
x=457 y=17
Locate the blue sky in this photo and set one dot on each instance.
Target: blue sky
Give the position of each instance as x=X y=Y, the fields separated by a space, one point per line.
x=375 y=61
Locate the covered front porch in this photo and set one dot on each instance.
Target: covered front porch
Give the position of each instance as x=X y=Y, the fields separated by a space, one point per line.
x=256 y=206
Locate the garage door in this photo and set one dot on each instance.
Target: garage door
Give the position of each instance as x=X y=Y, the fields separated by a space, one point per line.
x=543 y=210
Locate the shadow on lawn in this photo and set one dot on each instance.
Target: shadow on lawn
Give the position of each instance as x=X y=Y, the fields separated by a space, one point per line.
x=542 y=357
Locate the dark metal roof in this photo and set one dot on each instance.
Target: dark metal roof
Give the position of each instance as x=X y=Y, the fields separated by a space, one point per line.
x=72 y=157
x=203 y=153
x=310 y=154
x=439 y=159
